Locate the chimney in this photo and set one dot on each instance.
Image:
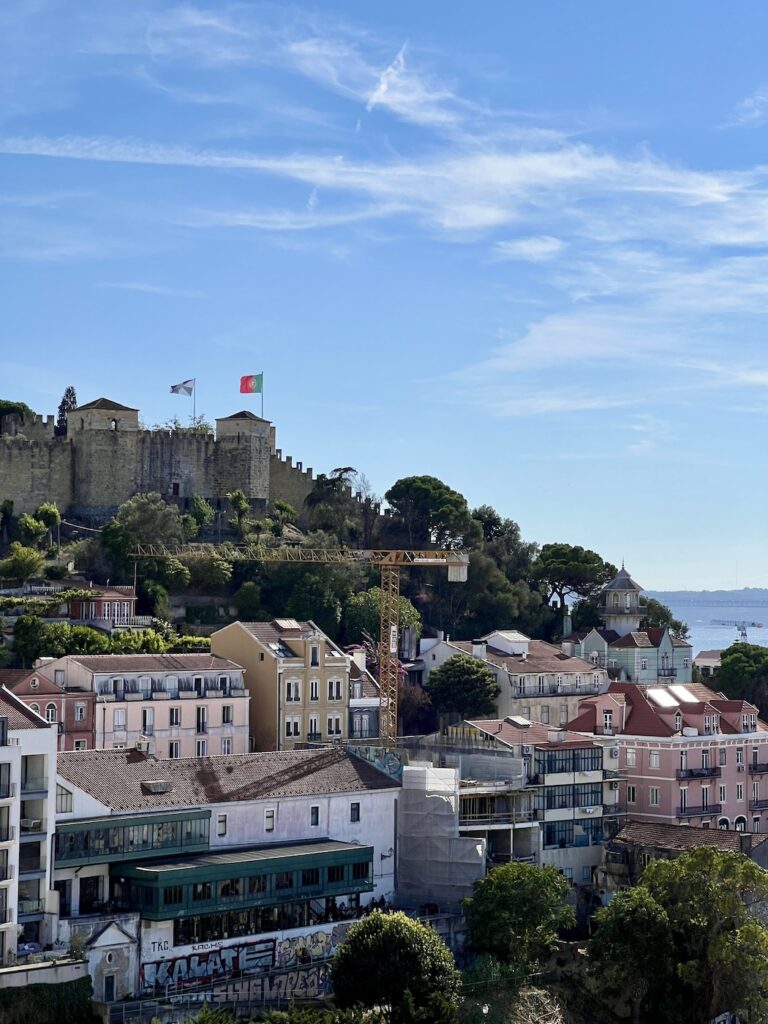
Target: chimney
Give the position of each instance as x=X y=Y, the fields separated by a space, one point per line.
x=555 y=735
x=567 y=622
x=479 y=648
x=524 y=655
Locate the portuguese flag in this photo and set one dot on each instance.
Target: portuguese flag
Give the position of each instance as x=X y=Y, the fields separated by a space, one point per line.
x=252 y=384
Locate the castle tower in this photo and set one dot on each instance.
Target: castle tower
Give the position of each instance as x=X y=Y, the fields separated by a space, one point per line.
x=104 y=439
x=244 y=444
x=619 y=605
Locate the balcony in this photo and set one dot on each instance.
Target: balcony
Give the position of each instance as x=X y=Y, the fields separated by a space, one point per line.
x=314 y=737
x=666 y=673
x=31 y=827
x=31 y=907
x=34 y=784
x=698 y=810
x=713 y=772
x=496 y=818
x=614 y=809
x=758 y=805
x=759 y=767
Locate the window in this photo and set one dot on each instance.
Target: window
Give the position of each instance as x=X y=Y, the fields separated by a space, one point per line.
x=35 y=708
x=686 y=663
x=334 y=689
x=631 y=758
x=336 y=873
x=721 y=794
x=284 y=880
x=63 y=800
x=269 y=821
x=705 y=796
x=723 y=756
x=756 y=823
x=81 y=744
x=292 y=726
x=292 y=693
x=174 y=717
x=568 y=873
x=310 y=876
x=314 y=727
x=739 y=755
x=354 y=812
x=643 y=664
x=739 y=791
x=221 y=825
x=631 y=794
x=201 y=748
x=314 y=689
x=58 y=676
x=678 y=721
x=201 y=891
x=147 y=721
x=586 y=873
x=653 y=759
x=563 y=714
x=540 y=684
x=544 y=711
x=50 y=712
x=201 y=719
x=314 y=656
x=723 y=823
x=226 y=744
x=653 y=796
x=118 y=719
x=314 y=816
x=257 y=884
x=172 y=895
x=740 y=823
x=79 y=712
x=608 y=722
x=227 y=714
x=174 y=749
x=360 y=871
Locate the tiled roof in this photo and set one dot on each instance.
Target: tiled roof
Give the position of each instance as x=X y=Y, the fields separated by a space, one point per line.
x=681 y=837
x=18 y=714
x=541 y=657
x=11 y=676
x=709 y=655
x=273 y=633
x=106 y=403
x=370 y=687
x=506 y=731
x=153 y=662
x=623 y=581
x=651 y=637
x=99 y=591
x=115 y=777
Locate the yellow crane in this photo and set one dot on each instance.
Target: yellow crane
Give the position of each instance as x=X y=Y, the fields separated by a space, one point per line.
x=389 y=560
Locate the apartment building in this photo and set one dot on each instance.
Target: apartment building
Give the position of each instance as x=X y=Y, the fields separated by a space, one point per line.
x=545 y=796
x=27 y=804
x=179 y=874
x=175 y=705
x=536 y=680
x=688 y=755
x=300 y=683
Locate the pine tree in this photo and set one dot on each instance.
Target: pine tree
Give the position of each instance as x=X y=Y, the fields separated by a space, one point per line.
x=67 y=403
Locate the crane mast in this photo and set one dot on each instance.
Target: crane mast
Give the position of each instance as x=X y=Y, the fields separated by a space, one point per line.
x=389 y=561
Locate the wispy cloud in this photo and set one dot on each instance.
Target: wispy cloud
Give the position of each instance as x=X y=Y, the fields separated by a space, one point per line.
x=751 y=111
x=536 y=249
x=150 y=289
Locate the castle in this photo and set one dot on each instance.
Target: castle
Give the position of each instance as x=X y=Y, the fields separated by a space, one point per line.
x=105 y=457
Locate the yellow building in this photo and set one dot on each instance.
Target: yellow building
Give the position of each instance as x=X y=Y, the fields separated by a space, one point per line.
x=297 y=678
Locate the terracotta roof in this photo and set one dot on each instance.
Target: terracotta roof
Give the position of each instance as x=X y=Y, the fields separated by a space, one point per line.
x=681 y=837
x=106 y=403
x=506 y=731
x=11 y=676
x=709 y=655
x=18 y=714
x=623 y=581
x=115 y=777
x=124 y=593
x=273 y=632
x=370 y=687
x=541 y=657
x=153 y=662
x=651 y=637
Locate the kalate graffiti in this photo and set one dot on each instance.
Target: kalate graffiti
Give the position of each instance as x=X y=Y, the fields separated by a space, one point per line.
x=218 y=964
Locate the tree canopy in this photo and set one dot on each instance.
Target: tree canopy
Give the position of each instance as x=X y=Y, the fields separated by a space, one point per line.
x=363 y=610
x=66 y=405
x=465 y=686
x=430 y=512
x=743 y=673
x=571 y=571
x=516 y=912
x=399 y=965
x=143 y=519
x=21 y=563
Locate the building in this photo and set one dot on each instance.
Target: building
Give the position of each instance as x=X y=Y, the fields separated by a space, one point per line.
x=105 y=457
x=638 y=843
x=688 y=755
x=177 y=874
x=650 y=655
x=175 y=705
x=707 y=662
x=536 y=680
x=303 y=688
x=27 y=805
x=545 y=796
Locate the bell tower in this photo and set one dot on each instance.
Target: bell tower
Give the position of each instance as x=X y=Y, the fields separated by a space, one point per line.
x=620 y=606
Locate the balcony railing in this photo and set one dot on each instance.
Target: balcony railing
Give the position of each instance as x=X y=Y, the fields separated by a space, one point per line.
x=758 y=805
x=713 y=772
x=28 y=825
x=666 y=673
x=698 y=810
x=314 y=737
x=31 y=907
x=759 y=767
x=496 y=818
x=34 y=784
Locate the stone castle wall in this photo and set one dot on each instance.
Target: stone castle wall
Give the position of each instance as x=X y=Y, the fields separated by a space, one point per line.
x=32 y=472
x=289 y=482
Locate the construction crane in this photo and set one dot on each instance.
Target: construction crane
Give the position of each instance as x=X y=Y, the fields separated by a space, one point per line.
x=389 y=561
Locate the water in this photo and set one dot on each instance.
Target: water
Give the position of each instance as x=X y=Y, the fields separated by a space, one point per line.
x=699 y=609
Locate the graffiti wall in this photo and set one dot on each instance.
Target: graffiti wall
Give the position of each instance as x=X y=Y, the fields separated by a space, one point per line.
x=388 y=761
x=216 y=961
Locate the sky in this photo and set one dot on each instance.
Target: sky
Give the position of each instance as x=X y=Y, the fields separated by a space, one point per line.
x=521 y=247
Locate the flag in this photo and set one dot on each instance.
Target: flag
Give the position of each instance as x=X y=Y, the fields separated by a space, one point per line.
x=185 y=388
x=252 y=385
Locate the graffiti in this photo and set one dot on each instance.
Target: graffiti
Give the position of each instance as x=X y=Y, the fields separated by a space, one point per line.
x=318 y=945
x=385 y=760
x=301 y=983
x=199 y=969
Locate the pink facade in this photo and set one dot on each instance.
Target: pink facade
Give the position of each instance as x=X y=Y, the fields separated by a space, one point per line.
x=687 y=755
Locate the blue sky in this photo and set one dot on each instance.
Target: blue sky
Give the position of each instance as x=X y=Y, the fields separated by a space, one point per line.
x=522 y=247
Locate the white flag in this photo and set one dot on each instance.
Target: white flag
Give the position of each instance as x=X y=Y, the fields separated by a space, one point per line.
x=185 y=388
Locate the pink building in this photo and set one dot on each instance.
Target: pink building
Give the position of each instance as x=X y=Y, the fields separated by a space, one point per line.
x=687 y=755
x=171 y=705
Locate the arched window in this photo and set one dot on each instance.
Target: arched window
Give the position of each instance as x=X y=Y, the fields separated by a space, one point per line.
x=740 y=823
x=35 y=708
x=50 y=712
x=723 y=824
x=678 y=721
x=113 y=425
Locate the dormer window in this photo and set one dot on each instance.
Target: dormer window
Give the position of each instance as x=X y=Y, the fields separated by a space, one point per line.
x=314 y=656
x=678 y=721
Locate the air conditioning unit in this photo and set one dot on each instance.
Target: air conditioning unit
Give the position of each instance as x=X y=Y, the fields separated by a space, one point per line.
x=527 y=751
x=144 y=745
x=614 y=751
x=614 y=785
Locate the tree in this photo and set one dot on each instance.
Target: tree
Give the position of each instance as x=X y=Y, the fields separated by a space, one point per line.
x=657 y=614
x=398 y=965
x=743 y=673
x=571 y=571
x=315 y=598
x=632 y=951
x=465 y=686
x=247 y=600
x=6 y=521
x=362 y=614
x=431 y=512
x=720 y=948
x=241 y=512
x=208 y=570
x=202 y=512
x=33 y=639
x=48 y=514
x=331 y=506
x=143 y=519
x=31 y=530
x=516 y=912
x=66 y=405
x=21 y=563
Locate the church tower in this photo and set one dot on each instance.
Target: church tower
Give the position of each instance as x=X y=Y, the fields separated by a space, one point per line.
x=620 y=606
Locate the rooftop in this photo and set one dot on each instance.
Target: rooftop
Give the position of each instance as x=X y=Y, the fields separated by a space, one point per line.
x=153 y=662
x=277 y=635
x=623 y=581
x=541 y=657
x=509 y=732
x=18 y=714
x=118 y=778
x=681 y=837
x=106 y=403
